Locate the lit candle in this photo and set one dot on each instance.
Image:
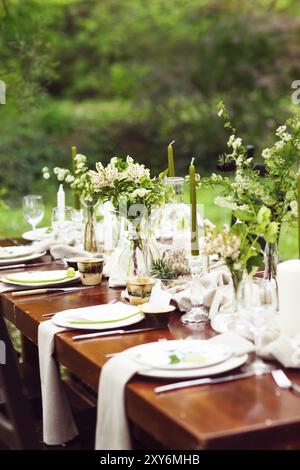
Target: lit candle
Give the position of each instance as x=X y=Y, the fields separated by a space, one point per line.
x=61 y=204
x=171 y=171
x=298 y=193
x=193 y=204
x=76 y=196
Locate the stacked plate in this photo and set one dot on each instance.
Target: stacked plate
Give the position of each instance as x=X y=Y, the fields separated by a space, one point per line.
x=180 y=359
x=99 y=317
x=18 y=254
x=40 y=278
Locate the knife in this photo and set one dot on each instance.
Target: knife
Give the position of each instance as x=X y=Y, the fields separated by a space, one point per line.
x=21 y=293
x=206 y=381
x=24 y=265
x=283 y=381
x=114 y=332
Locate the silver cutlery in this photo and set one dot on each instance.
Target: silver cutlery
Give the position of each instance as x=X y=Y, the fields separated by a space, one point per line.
x=113 y=332
x=24 y=265
x=283 y=381
x=204 y=381
x=21 y=293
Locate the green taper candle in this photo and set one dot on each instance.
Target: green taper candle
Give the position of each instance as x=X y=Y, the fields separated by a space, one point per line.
x=193 y=205
x=171 y=171
x=298 y=194
x=76 y=196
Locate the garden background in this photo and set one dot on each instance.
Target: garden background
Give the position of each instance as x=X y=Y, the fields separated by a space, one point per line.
x=118 y=77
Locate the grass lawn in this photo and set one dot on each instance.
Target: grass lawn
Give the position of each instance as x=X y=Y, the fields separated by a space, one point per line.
x=12 y=223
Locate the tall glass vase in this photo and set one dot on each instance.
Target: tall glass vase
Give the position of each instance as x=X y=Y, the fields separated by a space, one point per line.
x=270 y=261
x=90 y=230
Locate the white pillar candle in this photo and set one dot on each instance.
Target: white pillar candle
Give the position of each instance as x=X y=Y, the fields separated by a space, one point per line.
x=61 y=204
x=288 y=278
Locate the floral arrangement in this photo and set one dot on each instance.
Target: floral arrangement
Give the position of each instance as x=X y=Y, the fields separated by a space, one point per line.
x=238 y=245
x=277 y=189
x=80 y=181
x=174 y=263
x=127 y=182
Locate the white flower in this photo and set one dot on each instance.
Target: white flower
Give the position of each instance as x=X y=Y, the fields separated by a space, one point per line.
x=223 y=202
x=234 y=142
x=70 y=179
x=46 y=175
x=79 y=158
x=280 y=131
x=266 y=153
x=61 y=174
x=141 y=192
x=45 y=169
x=221 y=112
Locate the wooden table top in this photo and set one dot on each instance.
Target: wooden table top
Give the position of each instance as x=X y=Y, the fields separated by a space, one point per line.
x=248 y=414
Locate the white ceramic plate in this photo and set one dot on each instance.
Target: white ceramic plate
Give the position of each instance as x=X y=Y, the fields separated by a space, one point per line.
x=39 y=278
x=108 y=316
x=149 y=308
x=11 y=252
x=232 y=363
x=182 y=355
x=21 y=259
x=37 y=234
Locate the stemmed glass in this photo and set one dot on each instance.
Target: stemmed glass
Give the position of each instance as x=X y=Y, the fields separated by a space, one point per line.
x=197 y=313
x=65 y=228
x=33 y=209
x=257 y=304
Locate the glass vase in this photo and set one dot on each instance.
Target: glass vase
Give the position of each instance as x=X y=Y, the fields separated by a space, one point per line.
x=270 y=261
x=228 y=318
x=90 y=230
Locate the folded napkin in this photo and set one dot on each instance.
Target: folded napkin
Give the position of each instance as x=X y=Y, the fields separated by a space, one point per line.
x=61 y=251
x=209 y=290
x=112 y=431
x=58 y=423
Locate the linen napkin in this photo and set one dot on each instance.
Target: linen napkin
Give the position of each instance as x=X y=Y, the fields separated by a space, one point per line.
x=58 y=423
x=209 y=290
x=112 y=430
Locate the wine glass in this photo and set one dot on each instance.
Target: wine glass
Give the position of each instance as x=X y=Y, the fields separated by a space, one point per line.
x=197 y=313
x=63 y=224
x=33 y=209
x=257 y=304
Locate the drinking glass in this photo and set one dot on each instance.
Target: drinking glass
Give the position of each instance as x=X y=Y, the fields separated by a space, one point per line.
x=63 y=227
x=197 y=313
x=33 y=209
x=257 y=305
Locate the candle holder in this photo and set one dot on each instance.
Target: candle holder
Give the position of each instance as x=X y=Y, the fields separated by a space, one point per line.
x=197 y=313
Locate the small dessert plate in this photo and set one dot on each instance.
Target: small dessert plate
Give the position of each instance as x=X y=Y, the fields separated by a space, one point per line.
x=150 y=308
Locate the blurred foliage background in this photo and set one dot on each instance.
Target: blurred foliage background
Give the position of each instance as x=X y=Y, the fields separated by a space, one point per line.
x=127 y=77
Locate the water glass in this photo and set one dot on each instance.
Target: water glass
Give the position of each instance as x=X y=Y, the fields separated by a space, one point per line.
x=33 y=209
x=257 y=306
x=62 y=224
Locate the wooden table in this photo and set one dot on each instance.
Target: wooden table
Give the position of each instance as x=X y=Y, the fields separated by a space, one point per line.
x=248 y=414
